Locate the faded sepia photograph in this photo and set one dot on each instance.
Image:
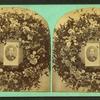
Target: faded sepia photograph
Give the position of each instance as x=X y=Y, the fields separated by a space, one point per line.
x=11 y=53
x=76 y=51
x=92 y=54
x=24 y=51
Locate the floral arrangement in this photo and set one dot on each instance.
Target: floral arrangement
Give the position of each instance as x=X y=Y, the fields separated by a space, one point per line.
x=34 y=38
x=68 y=40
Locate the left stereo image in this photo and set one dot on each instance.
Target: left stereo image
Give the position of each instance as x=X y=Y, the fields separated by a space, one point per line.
x=24 y=51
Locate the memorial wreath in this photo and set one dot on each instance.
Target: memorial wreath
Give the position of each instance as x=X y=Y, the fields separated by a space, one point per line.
x=34 y=37
x=68 y=40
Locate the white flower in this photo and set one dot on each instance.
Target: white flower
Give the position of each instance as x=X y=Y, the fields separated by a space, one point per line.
x=11 y=73
x=27 y=47
x=83 y=71
x=93 y=23
x=74 y=37
x=34 y=52
x=1 y=30
x=31 y=56
x=81 y=31
x=20 y=39
x=83 y=89
x=15 y=81
x=80 y=89
x=23 y=72
x=67 y=62
x=94 y=74
x=77 y=32
x=31 y=25
x=83 y=28
x=14 y=22
x=33 y=61
x=29 y=37
x=69 y=44
x=73 y=59
x=73 y=70
x=1 y=70
x=23 y=41
x=76 y=28
x=24 y=23
x=4 y=41
x=65 y=37
x=71 y=31
x=96 y=90
x=90 y=20
x=26 y=28
x=11 y=19
x=77 y=74
x=75 y=43
x=43 y=55
x=98 y=81
x=6 y=19
x=66 y=41
x=28 y=58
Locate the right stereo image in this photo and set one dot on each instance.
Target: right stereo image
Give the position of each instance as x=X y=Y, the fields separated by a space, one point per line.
x=76 y=52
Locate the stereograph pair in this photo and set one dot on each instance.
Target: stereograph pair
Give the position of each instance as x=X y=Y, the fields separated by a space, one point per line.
x=25 y=52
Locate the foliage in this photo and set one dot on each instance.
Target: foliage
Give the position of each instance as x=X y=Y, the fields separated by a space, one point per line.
x=67 y=45
x=34 y=38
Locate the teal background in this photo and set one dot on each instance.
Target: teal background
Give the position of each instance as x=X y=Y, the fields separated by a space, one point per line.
x=51 y=13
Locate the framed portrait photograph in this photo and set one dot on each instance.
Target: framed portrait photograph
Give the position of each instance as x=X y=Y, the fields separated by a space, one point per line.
x=92 y=54
x=11 y=54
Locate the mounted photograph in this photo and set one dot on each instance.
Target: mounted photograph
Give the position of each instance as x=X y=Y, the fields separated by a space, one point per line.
x=24 y=51
x=11 y=54
x=92 y=54
x=76 y=51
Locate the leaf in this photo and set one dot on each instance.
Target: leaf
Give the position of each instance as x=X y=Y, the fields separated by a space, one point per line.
x=81 y=10
x=92 y=9
x=71 y=18
x=46 y=73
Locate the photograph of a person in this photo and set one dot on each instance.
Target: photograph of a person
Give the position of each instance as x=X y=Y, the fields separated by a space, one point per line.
x=76 y=52
x=92 y=53
x=25 y=52
x=11 y=53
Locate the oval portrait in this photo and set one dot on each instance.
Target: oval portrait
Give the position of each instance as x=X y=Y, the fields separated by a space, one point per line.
x=11 y=52
x=92 y=53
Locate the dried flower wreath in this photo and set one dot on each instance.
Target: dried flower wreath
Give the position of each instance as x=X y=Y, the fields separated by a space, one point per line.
x=67 y=42
x=19 y=24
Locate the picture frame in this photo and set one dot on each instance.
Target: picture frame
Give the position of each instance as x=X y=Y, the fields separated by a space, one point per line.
x=11 y=54
x=92 y=54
